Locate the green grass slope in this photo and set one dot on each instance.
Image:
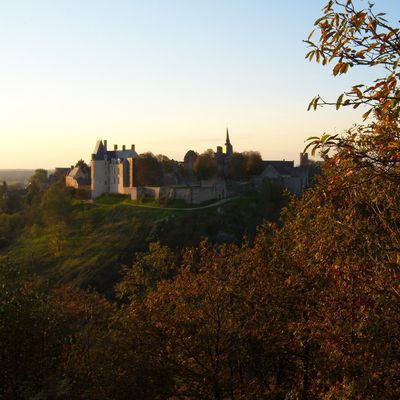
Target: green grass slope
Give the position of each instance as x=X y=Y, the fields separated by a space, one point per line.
x=102 y=236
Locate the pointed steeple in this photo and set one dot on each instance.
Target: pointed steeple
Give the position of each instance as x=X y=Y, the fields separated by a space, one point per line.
x=227 y=137
x=99 y=151
x=228 y=146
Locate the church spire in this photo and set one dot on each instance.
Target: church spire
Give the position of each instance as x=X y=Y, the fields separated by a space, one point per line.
x=228 y=146
x=227 y=137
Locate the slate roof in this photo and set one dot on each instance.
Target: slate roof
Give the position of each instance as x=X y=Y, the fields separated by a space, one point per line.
x=73 y=172
x=83 y=181
x=282 y=167
x=100 y=153
x=283 y=163
x=125 y=154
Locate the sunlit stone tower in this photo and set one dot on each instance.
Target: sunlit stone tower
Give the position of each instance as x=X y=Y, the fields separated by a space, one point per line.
x=112 y=171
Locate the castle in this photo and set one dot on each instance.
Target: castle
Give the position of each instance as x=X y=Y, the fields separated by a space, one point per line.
x=114 y=171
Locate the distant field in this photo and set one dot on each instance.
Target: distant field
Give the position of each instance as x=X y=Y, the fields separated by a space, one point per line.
x=16 y=176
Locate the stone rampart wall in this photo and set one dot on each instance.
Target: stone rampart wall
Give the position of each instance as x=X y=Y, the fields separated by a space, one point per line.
x=190 y=194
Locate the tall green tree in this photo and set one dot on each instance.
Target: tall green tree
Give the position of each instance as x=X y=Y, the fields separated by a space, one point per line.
x=56 y=204
x=36 y=185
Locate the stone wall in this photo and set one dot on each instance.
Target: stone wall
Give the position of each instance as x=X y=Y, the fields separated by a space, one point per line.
x=155 y=192
x=190 y=194
x=71 y=182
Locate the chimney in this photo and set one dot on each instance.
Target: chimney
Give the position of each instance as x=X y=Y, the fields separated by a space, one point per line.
x=133 y=147
x=115 y=147
x=105 y=144
x=123 y=147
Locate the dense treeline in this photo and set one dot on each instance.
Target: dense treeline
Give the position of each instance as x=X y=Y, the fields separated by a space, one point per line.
x=308 y=310
x=311 y=310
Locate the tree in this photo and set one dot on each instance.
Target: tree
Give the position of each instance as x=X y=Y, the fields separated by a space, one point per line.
x=205 y=166
x=334 y=258
x=237 y=166
x=148 y=170
x=360 y=38
x=56 y=204
x=86 y=369
x=29 y=362
x=10 y=199
x=3 y=192
x=200 y=316
x=167 y=165
x=254 y=164
x=36 y=186
x=84 y=167
x=10 y=226
x=146 y=272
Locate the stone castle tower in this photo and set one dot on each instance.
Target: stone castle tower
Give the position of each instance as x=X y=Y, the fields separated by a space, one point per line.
x=112 y=171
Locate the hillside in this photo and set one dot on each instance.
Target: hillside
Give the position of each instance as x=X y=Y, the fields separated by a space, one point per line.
x=100 y=237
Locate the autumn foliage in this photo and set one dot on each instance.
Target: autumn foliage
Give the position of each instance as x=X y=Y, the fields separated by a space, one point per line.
x=309 y=309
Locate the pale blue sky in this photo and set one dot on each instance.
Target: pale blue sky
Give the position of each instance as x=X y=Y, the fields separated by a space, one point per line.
x=167 y=75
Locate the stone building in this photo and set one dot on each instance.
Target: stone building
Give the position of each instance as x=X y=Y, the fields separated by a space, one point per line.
x=285 y=174
x=188 y=164
x=78 y=178
x=192 y=194
x=112 y=171
x=221 y=156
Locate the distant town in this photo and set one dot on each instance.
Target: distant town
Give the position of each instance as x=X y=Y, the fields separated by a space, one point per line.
x=218 y=174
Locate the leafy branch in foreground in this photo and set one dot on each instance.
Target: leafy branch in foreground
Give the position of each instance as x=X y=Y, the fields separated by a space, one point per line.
x=350 y=38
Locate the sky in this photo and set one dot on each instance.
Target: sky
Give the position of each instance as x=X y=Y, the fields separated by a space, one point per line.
x=165 y=75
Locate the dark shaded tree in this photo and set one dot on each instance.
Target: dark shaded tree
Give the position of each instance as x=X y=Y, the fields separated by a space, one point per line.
x=147 y=271
x=254 y=164
x=148 y=170
x=205 y=166
x=10 y=199
x=237 y=166
x=84 y=167
x=167 y=165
